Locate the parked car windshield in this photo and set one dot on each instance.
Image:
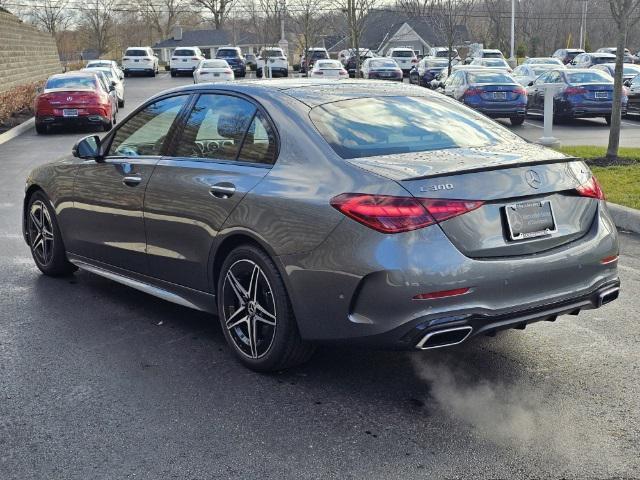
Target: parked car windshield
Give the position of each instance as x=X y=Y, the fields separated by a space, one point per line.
x=383 y=64
x=136 y=53
x=589 y=77
x=488 y=77
x=402 y=53
x=319 y=54
x=183 y=53
x=494 y=62
x=436 y=63
x=367 y=127
x=71 y=83
x=445 y=53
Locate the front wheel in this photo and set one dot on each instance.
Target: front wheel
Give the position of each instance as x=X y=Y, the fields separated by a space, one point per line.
x=259 y=73
x=607 y=118
x=45 y=240
x=255 y=312
x=41 y=129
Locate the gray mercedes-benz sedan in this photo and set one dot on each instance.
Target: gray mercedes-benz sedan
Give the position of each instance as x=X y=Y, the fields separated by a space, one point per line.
x=302 y=212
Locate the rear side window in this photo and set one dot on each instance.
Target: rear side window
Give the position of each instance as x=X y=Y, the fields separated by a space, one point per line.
x=366 y=127
x=144 y=133
x=216 y=127
x=259 y=145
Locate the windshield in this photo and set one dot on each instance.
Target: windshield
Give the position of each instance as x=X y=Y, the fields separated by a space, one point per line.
x=588 y=77
x=72 y=83
x=383 y=64
x=445 y=53
x=543 y=61
x=213 y=64
x=539 y=71
x=183 y=53
x=599 y=60
x=489 y=77
x=402 y=53
x=366 y=127
x=319 y=54
x=136 y=53
x=492 y=55
x=98 y=63
x=227 y=53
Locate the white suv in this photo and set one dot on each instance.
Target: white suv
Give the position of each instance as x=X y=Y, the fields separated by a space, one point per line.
x=185 y=60
x=405 y=57
x=274 y=60
x=139 y=60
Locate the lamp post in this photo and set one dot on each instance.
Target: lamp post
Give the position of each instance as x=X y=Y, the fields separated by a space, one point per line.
x=513 y=32
x=583 y=25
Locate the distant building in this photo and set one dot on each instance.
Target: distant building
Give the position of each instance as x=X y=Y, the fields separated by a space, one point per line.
x=386 y=29
x=207 y=40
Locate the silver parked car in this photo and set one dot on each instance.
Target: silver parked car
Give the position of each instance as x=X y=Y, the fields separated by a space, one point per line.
x=301 y=212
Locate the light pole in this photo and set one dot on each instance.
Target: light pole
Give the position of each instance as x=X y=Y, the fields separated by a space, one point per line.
x=583 y=25
x=513 y=31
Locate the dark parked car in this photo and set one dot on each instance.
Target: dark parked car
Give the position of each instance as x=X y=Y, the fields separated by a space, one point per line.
x=381 y=69
x=350 y=63
x=78 y=99
x=426 y=70
x=585 y=93
x=629 y=71
x=494 y=93
x=313 y=54
x=633 y=88
x=565 y=55
x=233 y=56
x=306 y=212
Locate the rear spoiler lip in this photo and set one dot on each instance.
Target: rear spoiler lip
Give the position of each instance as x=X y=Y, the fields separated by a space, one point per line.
x=495 y=167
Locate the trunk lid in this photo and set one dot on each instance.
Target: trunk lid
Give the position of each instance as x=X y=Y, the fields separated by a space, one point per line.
x=503 y=179
x=498 y=93
x=69 y=99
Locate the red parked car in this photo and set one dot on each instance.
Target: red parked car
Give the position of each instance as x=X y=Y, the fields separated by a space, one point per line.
x=75 y=98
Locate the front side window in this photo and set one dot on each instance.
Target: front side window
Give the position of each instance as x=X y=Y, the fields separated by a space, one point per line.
x=367 y=127
x=216 y=127
x=144 y=133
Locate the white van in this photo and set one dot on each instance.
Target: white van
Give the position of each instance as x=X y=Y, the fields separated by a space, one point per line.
x=139 y=60
x=185 y=60
x=274 y=60
x=405 y=57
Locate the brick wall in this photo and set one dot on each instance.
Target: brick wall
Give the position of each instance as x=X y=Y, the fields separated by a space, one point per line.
x=26 y=54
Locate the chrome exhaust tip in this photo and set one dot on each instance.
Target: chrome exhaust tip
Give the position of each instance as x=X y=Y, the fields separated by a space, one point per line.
x=608 y=296
x=444 y=338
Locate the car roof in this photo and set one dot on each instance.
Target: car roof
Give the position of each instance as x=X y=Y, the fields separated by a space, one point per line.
x=312 y=92
x=75 y=73
x=601 y=54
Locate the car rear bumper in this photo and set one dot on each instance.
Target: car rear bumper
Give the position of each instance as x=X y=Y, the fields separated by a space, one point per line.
x=586 y=109
x=501 y=111
x=55 y=120
x=368 y=295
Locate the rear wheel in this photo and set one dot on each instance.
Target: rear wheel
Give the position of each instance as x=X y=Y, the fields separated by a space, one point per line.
x=121 y=103
x=256 y=314
x=45 y=240
x=517 y=120
x=41 y=129
x=259 y=73
x=607 y=118
x=173 y=73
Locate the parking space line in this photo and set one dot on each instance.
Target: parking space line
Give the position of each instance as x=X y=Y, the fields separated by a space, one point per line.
x=533 y=125
x=630 y=124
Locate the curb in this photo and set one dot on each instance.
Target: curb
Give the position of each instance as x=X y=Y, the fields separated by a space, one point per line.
x=17 y=130
x=625 y=218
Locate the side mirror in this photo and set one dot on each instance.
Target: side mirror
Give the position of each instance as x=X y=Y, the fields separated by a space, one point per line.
x=88 y=147
x=530 y=84
x=39 y=90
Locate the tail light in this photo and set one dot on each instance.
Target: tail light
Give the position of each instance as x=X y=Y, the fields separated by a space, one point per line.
x=174 y=58
x=228 y=70
x=343 y=72
x=575 y=91
x=389 y=214
x=195 y=58
x=519 y=91
x=125 y=58
x=414 y=60
x=470 y=92
x=591 y=189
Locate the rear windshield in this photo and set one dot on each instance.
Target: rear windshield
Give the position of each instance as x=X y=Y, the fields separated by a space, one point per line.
x=331 y=64
x=589 y=77
x=436 y=63
x=367 y=127
x=542 y=61
x=383 y=64
x=184 y=53
x=494 y=62
x=492 y=55
x=214 y=64
x=599 y=60
x=445 y=53
x=573 y=55
x=402 y=53
x=319 y=54
x=227 y=53
x=71 y=83
x=136 y=53
x=489 y=77
x=98 y=64
x=272 y=53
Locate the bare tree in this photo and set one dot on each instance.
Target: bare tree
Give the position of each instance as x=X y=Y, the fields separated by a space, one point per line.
x=218 y=8
x=97 y=23
x=450 y=16
x=357 y=13
x=307 y=26
x=52 y=16
x=162 y=14
x=625 y=13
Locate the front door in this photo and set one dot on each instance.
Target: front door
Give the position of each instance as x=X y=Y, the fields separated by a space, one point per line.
x=107 y=213
x=226 y=148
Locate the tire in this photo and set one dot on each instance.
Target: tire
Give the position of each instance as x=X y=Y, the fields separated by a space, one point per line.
x=253 y=302
x=259 y=73
x=515 y=121
x=41 y=129
x=607 y=118
x=45 y=240
x=121 y=103
x=173 y=73
x=153 y=73
x=126 y=74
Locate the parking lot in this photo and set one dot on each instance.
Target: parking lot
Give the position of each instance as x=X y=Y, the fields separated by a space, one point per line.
x=101 y=381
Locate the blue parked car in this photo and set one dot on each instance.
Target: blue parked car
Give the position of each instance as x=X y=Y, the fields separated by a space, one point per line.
x=584 y=93
x=233 y=56
x=492 y=92
x=426 y=70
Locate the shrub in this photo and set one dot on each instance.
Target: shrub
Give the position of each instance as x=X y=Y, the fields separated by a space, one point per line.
x=18 y=99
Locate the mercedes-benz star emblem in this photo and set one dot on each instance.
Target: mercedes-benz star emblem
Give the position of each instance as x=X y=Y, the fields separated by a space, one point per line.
x=69 y=99
x=533 y=178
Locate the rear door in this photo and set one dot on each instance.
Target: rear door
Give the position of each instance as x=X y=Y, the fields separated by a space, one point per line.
x=226 y=147
x=108 y=197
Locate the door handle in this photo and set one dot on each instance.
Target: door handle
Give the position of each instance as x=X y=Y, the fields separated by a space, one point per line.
x=132 y=180
x=222 y=190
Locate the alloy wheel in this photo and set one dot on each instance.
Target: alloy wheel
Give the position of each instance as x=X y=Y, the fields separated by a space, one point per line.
x=40 y=230
x=249 y=308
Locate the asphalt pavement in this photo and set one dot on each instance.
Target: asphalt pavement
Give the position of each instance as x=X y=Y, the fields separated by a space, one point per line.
x=99 y=381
